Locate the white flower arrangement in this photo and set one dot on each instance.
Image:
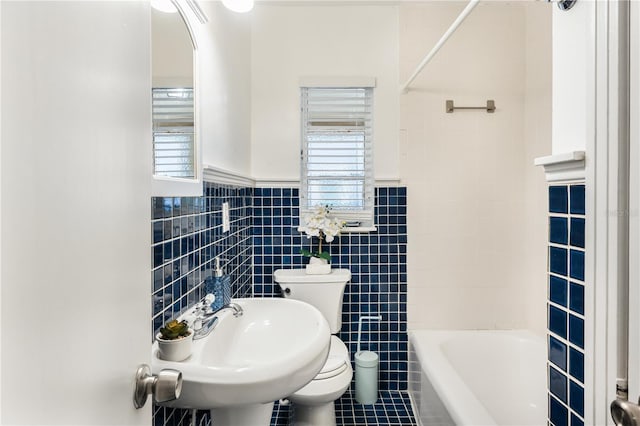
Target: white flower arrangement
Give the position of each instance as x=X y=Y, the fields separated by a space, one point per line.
x=322 y=224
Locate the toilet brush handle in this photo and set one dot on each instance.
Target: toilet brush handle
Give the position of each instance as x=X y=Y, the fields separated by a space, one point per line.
x=369 y=318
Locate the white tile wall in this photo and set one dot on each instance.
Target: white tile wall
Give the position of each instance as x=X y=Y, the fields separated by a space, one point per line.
x=476 y=254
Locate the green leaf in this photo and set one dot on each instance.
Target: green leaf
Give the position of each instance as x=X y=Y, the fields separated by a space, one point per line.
x=168 y=334
x=325 y=255
x=174 y=329
x=306 y=253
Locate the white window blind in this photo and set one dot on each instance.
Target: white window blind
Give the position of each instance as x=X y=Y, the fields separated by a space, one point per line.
x=173 y=135
x=337 y=166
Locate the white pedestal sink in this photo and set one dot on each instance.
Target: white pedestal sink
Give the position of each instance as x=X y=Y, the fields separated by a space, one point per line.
x=275 y=348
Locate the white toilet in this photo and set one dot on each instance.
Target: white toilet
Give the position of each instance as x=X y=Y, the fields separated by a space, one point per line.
x=314 y=403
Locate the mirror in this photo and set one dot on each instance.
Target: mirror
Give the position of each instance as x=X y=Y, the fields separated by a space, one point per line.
x=174 y=136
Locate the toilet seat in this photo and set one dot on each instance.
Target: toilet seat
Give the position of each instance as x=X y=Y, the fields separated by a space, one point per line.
x=338 y=366
x=333 y=380
x=336 y=361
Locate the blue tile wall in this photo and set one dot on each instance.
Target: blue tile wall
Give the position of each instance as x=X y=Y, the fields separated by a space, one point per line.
x=557 y=412
x=576 y=398
x=558 y=322
x=558 y=199
x=576 y=298
x=377 y=260
x=558 y=290
x=577 y=199
x=558 y=230
x=558 y=353
x=558 y=384
x=576 y=421
x=186 y=237
x=576 y=364
x=565 y=308
x=558 y=261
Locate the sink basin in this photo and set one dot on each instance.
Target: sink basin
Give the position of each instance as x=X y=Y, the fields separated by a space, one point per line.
x=275 y=348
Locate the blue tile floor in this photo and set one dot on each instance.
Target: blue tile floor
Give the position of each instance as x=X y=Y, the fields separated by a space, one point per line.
x=392 y=408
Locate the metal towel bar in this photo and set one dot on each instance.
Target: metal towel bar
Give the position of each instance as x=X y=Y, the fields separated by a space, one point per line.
x=490 y=108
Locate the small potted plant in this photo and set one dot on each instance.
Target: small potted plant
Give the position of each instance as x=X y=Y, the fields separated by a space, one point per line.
x=174 y=341
x=320 y=223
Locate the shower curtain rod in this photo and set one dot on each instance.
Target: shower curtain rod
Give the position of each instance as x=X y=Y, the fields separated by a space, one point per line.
x=467 y=10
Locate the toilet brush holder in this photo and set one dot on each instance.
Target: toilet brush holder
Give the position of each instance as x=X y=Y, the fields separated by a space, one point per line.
x=366 y=377
x=366 y=370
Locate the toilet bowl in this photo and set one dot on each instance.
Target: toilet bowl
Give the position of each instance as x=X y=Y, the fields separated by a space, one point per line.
x=314 y=403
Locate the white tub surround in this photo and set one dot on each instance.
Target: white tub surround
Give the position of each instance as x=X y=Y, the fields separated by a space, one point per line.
x=488 y=377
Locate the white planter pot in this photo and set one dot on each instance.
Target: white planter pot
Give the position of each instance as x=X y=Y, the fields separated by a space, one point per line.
x=174 y=350
x=318 y=266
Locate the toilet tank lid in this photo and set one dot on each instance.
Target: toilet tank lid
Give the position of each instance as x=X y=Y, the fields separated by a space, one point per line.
x=284 y=276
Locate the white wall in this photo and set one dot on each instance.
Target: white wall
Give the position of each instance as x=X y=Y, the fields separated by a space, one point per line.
x=467 y=172
x=537 y=143
x=224 y=77
x=289 y=42
x=75 y=173
x=573 y=65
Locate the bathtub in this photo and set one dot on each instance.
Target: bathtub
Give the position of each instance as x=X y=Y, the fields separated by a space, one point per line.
x=478 y=378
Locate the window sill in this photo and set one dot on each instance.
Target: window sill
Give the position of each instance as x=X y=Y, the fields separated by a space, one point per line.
x=354 y=229
x=358 y=229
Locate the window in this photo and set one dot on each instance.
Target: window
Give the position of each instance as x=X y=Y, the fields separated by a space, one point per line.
x=173 y=135
x=337 y=166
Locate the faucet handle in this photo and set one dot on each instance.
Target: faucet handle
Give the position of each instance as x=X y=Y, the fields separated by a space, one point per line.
x=197 y=324
x=204 y=306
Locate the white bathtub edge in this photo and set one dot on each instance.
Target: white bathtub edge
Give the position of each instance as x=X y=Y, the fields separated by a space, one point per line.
x=471 y=411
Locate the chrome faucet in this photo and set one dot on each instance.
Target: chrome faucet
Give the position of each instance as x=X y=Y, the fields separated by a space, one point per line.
x=237 y=309
x=205 y=312
x=206 y=321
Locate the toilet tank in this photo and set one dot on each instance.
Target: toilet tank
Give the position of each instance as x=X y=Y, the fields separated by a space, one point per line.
x=325 y=291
